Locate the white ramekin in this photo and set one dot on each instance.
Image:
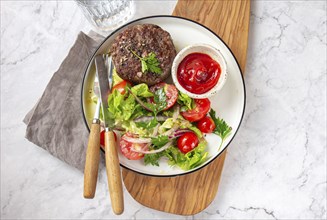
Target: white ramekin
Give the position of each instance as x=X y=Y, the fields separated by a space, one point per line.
x=215 y=54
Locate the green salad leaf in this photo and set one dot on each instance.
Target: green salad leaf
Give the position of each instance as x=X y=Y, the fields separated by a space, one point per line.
x=139 y=111
x=168 y=124
x=195 y=130
x=159 y=141
x=187 y=161
x=115 y=77
x=159 y=101
x=222 y=128
x=142 y=90
x=147 y=125
x=122 y=107
x=153 y=159
x=185 y=101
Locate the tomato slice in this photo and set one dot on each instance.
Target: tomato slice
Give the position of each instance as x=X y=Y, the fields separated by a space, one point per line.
x=206 y=125
x=126 y=146
x=187 y=142
x=171 y=93
x=121 y=86
x=102 y=138
x=202 y=107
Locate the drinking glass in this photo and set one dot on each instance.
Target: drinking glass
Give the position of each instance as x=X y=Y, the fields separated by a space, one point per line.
x=107 y=15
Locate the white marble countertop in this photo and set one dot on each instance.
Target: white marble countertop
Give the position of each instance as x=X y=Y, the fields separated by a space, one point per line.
x=275 y=167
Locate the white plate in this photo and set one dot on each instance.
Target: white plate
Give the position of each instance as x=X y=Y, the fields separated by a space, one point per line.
x=229 y=103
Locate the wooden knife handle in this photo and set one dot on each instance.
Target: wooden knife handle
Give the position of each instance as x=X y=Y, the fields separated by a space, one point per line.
x=92 y=161
x=113 y=173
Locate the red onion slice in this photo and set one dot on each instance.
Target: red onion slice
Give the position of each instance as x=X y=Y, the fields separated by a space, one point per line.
x=171 y=131
x=176 y=113
x=178 y=133
x=155 y=130
x=149 y=118
x=139 y=101
x=137 y=140
x=153 y=151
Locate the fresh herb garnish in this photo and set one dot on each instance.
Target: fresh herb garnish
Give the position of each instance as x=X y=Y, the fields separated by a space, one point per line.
x=160 y=101
x=147 y=125
x=222 y=128
x=153 y=159
x=149 y=63
x=159 y=141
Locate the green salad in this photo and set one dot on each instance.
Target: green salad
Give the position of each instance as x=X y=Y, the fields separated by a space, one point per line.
x=159 y=121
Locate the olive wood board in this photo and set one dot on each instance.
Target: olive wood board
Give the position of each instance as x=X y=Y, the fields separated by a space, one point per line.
x=190 y=194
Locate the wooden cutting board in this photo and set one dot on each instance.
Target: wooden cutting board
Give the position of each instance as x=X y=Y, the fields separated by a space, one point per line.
x=191 y=193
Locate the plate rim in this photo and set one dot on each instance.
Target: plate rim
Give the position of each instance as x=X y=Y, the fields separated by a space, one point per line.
x=182 y=18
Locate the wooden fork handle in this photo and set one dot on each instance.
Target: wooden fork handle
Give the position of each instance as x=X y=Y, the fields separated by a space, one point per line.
x=113 y=173
x=92 y=160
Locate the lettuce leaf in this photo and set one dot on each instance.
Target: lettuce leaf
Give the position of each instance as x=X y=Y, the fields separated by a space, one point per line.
x=115 y=77
x=121 y=107
x=148 y=125
x=159 y=141
x=159 y=101
x=195 y=130
x=185 y=101
x=187 y=161
x=142 y=90
x=153 y=159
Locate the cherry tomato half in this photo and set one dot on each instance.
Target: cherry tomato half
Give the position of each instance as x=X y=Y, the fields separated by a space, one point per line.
x=121 y=86
x=171 y=93
x=125 y=147
x=187 y=142
x=206 y=125
x=202 y=107
x=102 y=138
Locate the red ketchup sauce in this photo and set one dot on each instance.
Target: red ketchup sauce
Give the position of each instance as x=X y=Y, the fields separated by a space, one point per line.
x=198 y=73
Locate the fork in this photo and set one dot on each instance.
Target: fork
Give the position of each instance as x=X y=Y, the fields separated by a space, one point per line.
x=93 y=152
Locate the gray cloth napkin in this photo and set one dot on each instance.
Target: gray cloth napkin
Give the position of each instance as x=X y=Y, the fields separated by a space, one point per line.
x=56 y=123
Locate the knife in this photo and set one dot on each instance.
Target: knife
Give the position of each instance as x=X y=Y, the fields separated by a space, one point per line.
x=111 y=154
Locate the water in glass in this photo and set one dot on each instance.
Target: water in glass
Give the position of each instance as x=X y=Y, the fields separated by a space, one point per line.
x=107 y=14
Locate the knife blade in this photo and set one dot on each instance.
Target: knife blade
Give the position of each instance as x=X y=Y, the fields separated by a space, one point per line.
x=103 y=65
x=104 y=86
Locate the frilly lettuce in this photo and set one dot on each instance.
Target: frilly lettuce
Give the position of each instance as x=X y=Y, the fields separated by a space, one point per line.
x=187 y=161
x=185 y=101
x=116 y=78
x=121 y=108
x=142 y=90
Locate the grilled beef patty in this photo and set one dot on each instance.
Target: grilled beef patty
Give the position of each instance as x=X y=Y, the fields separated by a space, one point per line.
x=142 y=39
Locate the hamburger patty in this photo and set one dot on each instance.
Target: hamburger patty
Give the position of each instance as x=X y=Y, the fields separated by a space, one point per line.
x=142 y=39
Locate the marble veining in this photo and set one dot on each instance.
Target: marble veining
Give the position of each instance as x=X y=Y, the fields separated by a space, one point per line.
x=276 y=165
